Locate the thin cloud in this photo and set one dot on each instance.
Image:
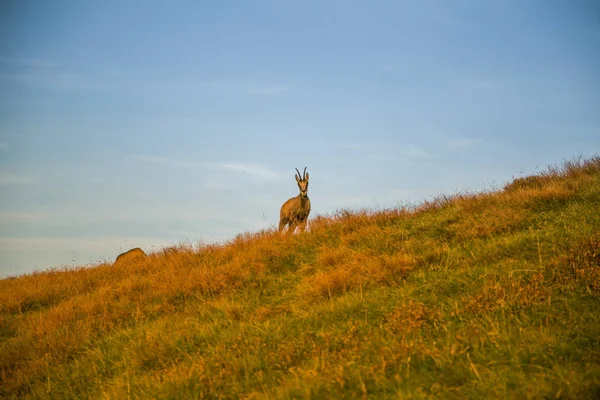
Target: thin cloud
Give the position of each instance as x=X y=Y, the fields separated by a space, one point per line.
x=4 y=146
x=441 y=16
x=408 y=153
x=384 y=158
x=413 y=151
x=388 y=68
x=249 y=88
x=8 y=178
x=28 y=62
x=218 y=185
x=137 y=213
x=266 y=90
x=76 y=243
x=483 y=84
x=62 y=81
x=349 y=146
x=252 y=169
x=462 y=143
x=168 y=161
x=20 y=216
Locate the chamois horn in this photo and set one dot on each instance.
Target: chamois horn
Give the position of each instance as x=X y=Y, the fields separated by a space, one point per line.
x=304 y=174
x=299 y=176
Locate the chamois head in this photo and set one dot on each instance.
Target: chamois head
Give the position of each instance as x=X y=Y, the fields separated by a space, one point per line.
x=302 y=182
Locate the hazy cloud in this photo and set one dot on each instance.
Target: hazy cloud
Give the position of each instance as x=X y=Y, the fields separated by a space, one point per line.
x=384 y=157
x=27 y=62
x=413 y=151
x=168 y=161
x=20 y=216
x=445 y=16
x=407 y=153
x=266 y=90
x=247 y=168
x=110 y=244
x=8 y=178
x=59 y=81
x=236 y=87
x=216 y=184
x=349 y=146
x=134 y=212
x=462 y=143
x=483 y=84
x=252 y=169
x=3 y=146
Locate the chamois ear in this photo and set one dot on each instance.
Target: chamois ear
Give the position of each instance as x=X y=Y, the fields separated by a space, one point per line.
x=307 y=176
x=297 y=178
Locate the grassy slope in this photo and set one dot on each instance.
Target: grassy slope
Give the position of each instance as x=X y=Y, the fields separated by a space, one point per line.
x=486 y=295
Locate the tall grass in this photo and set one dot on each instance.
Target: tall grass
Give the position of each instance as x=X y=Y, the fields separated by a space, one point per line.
x=489 y=295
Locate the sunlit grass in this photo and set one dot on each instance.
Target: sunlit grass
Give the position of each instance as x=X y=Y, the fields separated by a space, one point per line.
x=485 y=295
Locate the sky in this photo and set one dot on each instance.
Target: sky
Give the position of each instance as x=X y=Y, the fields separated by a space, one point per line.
x=148 y=124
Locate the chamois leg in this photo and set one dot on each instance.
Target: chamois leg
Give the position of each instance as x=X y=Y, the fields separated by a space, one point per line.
x=293 y=226
x=282 y=224
x=303 y=224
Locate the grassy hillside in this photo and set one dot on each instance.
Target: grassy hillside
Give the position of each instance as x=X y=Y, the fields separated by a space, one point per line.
x=492 y=295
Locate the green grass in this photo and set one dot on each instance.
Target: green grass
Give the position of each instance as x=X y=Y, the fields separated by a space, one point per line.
x=489 y=295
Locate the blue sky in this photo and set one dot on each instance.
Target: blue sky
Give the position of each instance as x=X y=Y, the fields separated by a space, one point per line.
x=127 y=123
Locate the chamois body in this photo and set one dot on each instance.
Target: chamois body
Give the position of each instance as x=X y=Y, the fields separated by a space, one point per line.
x=130 y=255
x=295 y=211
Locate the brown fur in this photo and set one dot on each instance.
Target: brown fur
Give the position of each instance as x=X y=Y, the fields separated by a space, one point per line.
x=295 y=211
x=130 y=255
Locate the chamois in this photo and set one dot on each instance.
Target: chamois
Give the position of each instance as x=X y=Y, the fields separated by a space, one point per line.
x=295 y=211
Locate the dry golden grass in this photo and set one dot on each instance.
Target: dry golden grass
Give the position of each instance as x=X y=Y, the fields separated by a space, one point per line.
x=484 y=295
